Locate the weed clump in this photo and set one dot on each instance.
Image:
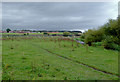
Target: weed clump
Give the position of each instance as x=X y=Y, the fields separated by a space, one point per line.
x=40 y=75
x=65 y=78
x=7 y=66
x=53 y=75
x=11 y=47
x=57 y=69
x=23 y=58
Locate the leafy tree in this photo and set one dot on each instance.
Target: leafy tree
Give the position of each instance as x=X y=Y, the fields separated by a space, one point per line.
x=8 y=30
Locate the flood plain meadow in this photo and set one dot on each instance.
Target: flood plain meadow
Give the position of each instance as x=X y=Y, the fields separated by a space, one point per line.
x=56 y=58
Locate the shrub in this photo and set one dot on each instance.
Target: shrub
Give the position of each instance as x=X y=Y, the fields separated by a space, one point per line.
x=83 y=40
x=27 y=33
x=66 y=33
x=77 y=39
x=93 y=36
x=116 y=47
x=108 y=43
x=7 y=66
x=108 y=33
x=54 y=34
x=24 y=34
x=82 y=36
x=45 y=33
x=88 y=40
x=97 y=44
x=75 y=33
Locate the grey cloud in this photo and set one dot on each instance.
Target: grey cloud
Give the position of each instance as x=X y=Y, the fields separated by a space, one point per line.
x=119 y=8
x=56 y=16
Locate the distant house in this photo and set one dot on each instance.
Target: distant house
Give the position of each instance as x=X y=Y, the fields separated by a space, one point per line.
x=3 y=32
x=21 y=32
x=11 y=32
x=33 y=32
x=79 y=33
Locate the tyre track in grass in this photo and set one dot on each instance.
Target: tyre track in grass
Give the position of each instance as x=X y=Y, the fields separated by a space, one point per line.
x=83 y=64
x=94 y=68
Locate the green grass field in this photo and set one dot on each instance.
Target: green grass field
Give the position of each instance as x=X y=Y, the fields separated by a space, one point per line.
x=29 y=33
x=19 y=33
x=0 y=60
x=56 y=58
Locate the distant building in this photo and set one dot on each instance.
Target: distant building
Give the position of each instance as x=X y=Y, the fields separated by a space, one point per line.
x=79 y=33
x=3 y=32
x=20 y=31
x=11 y=32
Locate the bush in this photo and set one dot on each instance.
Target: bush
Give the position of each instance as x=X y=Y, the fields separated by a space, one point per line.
x=108 y=33
x=76 y=34
x=89 y=40
x=79 y=39
x=45 y=33
x=66 y=33
x=97 y=44
x=93 y=36
x=27 y=33
x=24 y=34
x=82 y=37
x=76 y=38
x=83 y=40
x=108 y=43
x=116 y=47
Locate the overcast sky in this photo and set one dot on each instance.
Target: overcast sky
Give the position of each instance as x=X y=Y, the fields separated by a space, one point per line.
x=57 y=15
